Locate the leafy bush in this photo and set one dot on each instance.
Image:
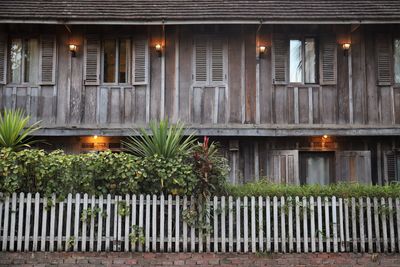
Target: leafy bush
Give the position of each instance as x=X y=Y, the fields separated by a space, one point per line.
x=55 y=172
x=14 y=130
x=265 y=188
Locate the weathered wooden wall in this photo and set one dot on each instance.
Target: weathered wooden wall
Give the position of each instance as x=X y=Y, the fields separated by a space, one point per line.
x=248 y=95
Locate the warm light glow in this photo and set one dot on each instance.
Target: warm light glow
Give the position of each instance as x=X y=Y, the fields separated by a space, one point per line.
x=262 y=49
x=346 y=46
x=72 y=47
x=95 y=137
x=158 y=47
x=325 y=136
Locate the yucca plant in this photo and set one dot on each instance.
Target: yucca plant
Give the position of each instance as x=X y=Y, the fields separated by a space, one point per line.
x=165 y=140
x=14 y=130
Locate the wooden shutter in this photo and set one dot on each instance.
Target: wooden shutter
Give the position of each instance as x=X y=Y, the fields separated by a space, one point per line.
x=391 y=168
x=383 y=62
x=3 y=59
x=353 y=166
x=200 y=60
x=92 y=60
x=328 y=55
x=280 y=48
x=47 y=59
x=140 y=61
x=284 y=166
x=217 y=61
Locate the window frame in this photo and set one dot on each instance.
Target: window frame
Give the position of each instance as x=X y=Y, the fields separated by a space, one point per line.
x=117 y=41
x=303 y=38
x=22 y=73
x=209 y=38
x=330 y=154
x=393 y=65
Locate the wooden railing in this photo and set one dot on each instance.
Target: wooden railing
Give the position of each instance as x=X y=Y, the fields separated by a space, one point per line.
x=29 y=222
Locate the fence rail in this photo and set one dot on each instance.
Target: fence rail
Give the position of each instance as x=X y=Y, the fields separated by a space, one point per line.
x=29 y=222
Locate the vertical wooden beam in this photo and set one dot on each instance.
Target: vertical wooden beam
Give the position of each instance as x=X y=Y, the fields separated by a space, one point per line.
x=177 y=69
x=162 y=78
x=243 y=80
x=351 y=115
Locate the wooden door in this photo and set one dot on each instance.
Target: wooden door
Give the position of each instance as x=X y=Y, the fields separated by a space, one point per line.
x=353 y=166
x=284 y=166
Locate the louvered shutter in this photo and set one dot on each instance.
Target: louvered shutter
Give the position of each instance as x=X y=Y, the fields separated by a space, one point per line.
x=47 y=59
x=217 y=61
x=328 y=55
x=280 y=48
x=353 y=166
x=284 y=166
x=383 y=60
x=140 y=61
x=92 y=60
x=3 y=59
x=200 y=60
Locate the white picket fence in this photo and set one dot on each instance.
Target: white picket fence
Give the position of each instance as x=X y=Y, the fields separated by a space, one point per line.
x=249 y=224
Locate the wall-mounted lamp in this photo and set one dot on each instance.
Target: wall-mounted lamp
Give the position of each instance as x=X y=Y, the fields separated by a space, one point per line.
x=95 y=136
x=262 y=49
x=346 y=47
x=325 y=136
x=158 y=49
x=72 y=49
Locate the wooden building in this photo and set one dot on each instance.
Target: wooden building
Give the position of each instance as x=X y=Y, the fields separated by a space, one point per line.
x=296 y=91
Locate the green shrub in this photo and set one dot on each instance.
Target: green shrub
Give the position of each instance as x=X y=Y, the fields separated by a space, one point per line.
x=265 y=188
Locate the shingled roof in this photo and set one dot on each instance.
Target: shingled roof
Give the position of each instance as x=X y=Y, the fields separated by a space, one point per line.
x=193 y=11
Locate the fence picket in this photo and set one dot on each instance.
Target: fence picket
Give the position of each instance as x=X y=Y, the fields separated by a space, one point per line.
x=44 y=225
x=192 y=230
x=347 y=223
x=215 y=207
x=184 y=226
x=68 y=222
x=268 y=222
x=238 y=226
x=384 y=226
x=13 y=219
x=141 y=207
x=354 y=225
x=290 y=223
x=276 y=227
x=305 y=225
x=342 y=247
x=177 y=223
x=76 y=223
x=319 y=210
x=169 y=224
x=84 y=222
x=377 y=230
x=361 y=223
x=147 y=224
x=162 y=222
x=312 y=224
x=1 y=214
x=200 y=233
x=369 y=225
x=154 y=225
x=108 y=222
x=245 y=225
x=260 y=224
x=127 y=222
x=327 y=226
x=100 y=224
x=391 y=227
x=133 y=223
x=118 y=222
x=21 y=203
x=253 y=224
x=5 y=225
x=223 y=230
x=230 y=218
x=334 y=225
x=208 y=235
x=52 y=221
x=283 y=226
x=27 y=220
x=35 y=222
x=92 y=218
x=298 y=234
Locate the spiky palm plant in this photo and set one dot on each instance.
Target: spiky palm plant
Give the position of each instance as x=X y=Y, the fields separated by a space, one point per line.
x=164 y=140
x=14 y=130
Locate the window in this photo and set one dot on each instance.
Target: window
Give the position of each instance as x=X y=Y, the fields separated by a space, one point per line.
x=397 y=60
x=209 y=61
x=115 y=59
x=302 y=61
x=24 y=60
x=316 y=167
x=393 y=166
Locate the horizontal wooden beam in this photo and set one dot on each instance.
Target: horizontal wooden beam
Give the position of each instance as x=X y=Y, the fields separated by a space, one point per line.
x=233 y=130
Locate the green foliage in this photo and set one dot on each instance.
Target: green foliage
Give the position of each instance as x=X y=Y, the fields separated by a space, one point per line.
x=164 y=140
x=136 y=235
x=59 y=173
x=158 y=174
x=14 y=130
x=344 y=190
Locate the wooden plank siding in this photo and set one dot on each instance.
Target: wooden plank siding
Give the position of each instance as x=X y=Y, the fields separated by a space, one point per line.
x=248 y=96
